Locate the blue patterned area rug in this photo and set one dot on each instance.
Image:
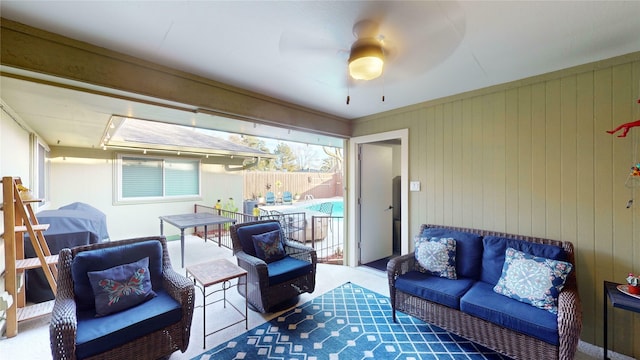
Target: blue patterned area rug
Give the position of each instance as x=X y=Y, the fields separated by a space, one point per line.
x=349 y=322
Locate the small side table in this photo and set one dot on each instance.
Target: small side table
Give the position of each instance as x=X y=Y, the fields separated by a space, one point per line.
x=220 y=271
x=618 y=300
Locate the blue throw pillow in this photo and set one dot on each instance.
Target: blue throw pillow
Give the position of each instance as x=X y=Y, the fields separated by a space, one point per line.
x=495 y=248
x=533 y=280
x=436 y=256
x=121 y=287
x=268 y=246
x=468 y=250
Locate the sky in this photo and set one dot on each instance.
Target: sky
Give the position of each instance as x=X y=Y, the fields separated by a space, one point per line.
x=314 y=153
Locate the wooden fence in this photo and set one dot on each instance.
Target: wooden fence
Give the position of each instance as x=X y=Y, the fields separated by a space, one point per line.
x=318 y=185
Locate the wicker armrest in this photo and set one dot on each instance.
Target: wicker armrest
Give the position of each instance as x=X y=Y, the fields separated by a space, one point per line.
x=400 y=265
x=256 y=267
x=182 y=290
x=569 y=321
x=300 y=251
x=64 y=322
x=396 y=267
x=62 y=329
x=178 y=286
x=250 y=259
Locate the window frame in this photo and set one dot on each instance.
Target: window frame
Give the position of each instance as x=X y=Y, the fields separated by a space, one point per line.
x=118 y=183
x=40 y=170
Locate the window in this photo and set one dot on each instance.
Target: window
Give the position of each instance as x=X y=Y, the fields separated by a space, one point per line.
x=146 y=178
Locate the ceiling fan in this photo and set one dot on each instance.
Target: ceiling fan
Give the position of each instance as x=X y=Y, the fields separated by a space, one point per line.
x=393 y=41
x=367 y=55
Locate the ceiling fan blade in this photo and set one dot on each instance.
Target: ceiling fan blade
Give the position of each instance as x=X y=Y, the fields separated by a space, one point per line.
x=441 y=28
x=298 y=43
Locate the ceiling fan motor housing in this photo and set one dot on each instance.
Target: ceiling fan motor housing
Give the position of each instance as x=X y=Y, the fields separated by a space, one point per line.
x=366 y=59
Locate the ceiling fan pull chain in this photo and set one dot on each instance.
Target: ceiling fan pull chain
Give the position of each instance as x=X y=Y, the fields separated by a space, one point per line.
x=383 y=87
x=348 y=97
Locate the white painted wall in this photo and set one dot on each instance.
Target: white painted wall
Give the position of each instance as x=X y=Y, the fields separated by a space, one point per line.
x=14 y=161
x=80 y=175
x=14 y=146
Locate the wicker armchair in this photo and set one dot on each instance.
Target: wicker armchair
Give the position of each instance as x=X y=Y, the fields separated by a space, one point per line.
x=267 y=290
x=142 y=340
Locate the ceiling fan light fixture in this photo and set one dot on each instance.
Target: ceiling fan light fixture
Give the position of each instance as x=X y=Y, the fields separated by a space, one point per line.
x=366 y=59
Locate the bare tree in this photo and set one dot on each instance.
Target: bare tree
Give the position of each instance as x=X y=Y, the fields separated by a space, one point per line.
x=333 y=163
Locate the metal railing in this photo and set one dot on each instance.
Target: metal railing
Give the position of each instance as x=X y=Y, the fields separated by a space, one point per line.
x=330 y=249
x=323 y=233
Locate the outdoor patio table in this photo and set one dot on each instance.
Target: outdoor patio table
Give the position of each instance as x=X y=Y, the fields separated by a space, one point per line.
x=184 y=221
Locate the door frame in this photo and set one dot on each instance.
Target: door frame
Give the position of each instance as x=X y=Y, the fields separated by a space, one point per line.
x=353 y=186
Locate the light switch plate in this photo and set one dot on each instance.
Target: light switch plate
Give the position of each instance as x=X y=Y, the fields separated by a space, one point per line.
x=414 y=186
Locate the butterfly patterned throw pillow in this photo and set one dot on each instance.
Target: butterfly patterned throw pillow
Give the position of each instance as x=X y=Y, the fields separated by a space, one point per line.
x=268 y=246
x=121 y=287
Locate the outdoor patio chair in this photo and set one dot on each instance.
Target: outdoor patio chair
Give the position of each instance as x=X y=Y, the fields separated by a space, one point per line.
x=287 y=198
x=270 y=198
x=278 y=269
x=149 y=323
x=264 y=214
x=326 y=208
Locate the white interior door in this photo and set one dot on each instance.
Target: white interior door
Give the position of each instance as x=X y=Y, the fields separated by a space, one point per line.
x=376 y=216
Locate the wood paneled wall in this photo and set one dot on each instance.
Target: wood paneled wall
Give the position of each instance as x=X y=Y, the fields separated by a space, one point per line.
x=533 y=158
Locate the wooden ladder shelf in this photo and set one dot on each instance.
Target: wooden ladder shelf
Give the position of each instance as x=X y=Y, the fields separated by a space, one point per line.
x=19 y=218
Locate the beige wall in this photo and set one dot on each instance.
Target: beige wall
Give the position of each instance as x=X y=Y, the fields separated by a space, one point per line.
x=533 y=158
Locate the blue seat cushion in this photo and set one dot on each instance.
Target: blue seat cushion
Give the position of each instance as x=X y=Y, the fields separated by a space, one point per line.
x=494 y=253
x=245 y=234
x=96 y=335
x=287 y=268
x=482 y=302
x=434 y=288
x=102 y=259
x=468 y=250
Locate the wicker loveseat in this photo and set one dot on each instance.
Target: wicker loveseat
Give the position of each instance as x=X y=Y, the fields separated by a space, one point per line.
x=469 y=307
x=153 y=329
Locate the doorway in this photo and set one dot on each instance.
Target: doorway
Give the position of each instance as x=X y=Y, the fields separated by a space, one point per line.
x=376 y=209
x=374 y=162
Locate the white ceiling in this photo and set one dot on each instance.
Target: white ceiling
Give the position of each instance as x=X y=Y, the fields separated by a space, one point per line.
x=297 y=50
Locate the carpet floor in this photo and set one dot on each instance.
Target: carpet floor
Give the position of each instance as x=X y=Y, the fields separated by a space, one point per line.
x=348 y=322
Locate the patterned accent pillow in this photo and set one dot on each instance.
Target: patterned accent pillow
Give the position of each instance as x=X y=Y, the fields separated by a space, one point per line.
x=533 y=280
x=268 y=246
x=121 y=287
x=436 y=256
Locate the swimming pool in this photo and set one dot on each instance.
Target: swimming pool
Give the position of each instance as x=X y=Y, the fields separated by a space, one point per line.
x=338 y=208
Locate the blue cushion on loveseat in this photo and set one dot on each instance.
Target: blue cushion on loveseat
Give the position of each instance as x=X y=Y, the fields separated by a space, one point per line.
x=495 y=248
x=99 y=334
x=434 y=288
x=286 y=269
x=102 y=259
x=245 y=234
x=468 y=250
x=481 y=301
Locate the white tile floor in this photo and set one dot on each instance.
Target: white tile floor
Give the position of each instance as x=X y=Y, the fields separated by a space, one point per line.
x=32 y=341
